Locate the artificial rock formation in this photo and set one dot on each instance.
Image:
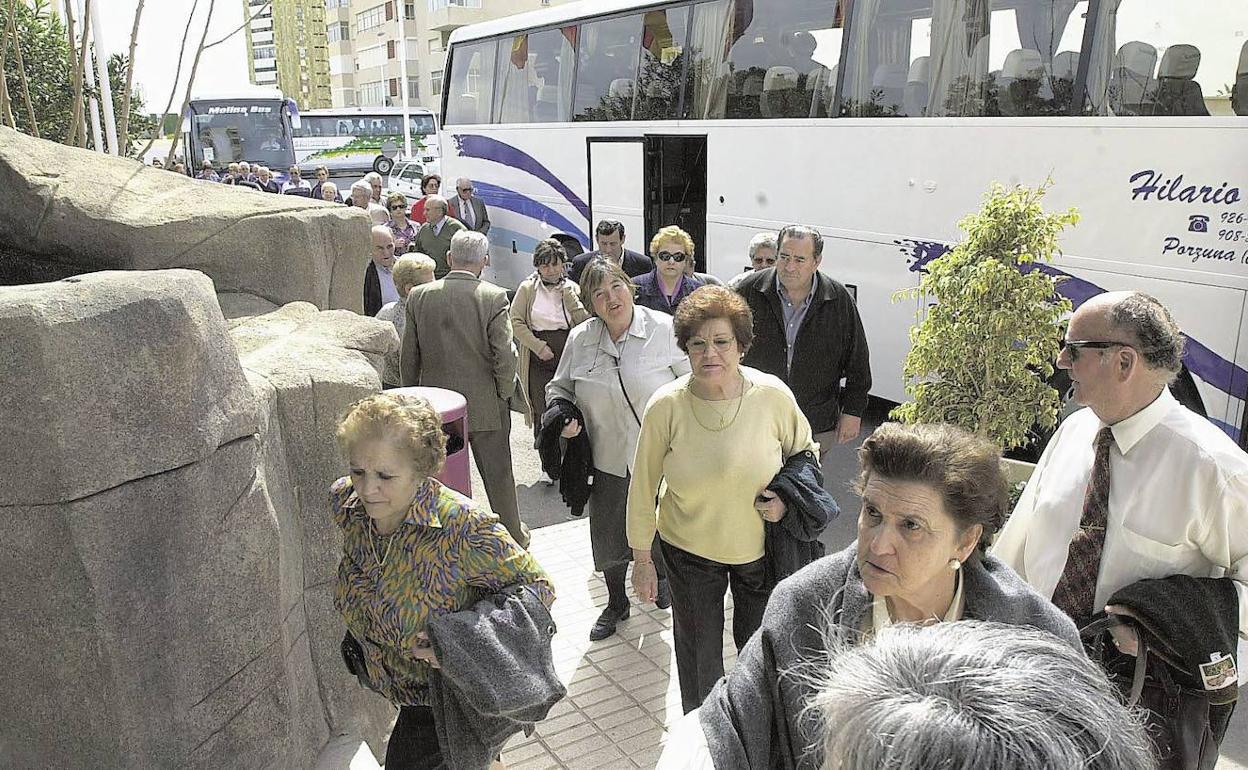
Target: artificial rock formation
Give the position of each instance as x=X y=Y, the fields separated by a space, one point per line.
x=168 y=558
x=65 y=211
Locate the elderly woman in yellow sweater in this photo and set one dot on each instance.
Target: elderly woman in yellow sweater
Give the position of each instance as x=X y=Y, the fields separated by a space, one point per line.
x=718 y=437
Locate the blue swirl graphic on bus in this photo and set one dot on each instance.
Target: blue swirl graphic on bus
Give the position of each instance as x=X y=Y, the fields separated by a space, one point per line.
x=501 y=197
x=485 y=148
x=1220 y=373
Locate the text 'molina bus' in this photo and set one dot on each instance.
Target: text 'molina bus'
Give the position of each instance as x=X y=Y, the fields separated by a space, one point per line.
x=880 y=123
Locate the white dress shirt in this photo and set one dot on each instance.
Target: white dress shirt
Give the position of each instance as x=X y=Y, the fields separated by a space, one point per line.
x=1178 y=503
x=647 y=358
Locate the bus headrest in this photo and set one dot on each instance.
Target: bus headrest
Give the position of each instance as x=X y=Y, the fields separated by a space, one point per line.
x=920 y=70
x=779 y=79
x=1179 y=61
x=1066 y=65
x=1023 y=63
x=1138 y=57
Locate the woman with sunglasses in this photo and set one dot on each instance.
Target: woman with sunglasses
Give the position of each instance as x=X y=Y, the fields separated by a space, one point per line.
x=429 y=185
x=403 y=230
x=710 y=445
x=664 y=287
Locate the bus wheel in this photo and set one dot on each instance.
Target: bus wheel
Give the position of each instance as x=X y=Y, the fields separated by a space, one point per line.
x=382 y=165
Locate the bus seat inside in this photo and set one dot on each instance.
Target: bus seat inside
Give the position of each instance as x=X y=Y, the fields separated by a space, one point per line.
x=779 y=92
x=918 y=85
x=1132 y=88
x=1178 y=93
x=1019 y=83
x=888 y=87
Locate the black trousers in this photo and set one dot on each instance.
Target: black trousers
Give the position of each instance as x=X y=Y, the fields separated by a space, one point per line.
x=413 y=743
x=698 y=587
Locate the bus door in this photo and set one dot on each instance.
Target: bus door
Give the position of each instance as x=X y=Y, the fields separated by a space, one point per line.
x=647 y=183
x=617 y=187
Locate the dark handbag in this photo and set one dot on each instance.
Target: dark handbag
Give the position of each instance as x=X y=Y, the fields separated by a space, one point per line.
x=1179 y=719
x=353 y=657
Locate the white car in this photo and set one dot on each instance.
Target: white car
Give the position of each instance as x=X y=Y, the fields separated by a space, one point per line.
x=406 y=176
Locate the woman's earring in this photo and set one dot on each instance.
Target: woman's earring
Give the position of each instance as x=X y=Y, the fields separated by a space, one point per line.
x=955 y=565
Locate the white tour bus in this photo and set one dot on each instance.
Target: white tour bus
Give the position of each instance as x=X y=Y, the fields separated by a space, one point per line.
x=353 y=140
x=253 y=124
x=881 y=123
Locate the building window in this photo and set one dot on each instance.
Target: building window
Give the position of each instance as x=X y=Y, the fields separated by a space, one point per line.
x=413 y=89
x=435 y=80
x=264 y=52
x=373 y=93
x=435 y=46
x=390 y=49
x=338 y=32
x=437 y=5
x=409 y=11
x=394 y=87
x=370 y=19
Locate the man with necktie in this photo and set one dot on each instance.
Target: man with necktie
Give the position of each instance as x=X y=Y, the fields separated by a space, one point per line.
x=468 y=208
x=1136 y=486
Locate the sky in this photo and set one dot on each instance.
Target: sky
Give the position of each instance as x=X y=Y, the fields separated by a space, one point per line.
x=160 y=37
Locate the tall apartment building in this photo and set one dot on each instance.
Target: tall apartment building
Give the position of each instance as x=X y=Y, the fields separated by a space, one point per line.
x=287 y=48
x=365 y=45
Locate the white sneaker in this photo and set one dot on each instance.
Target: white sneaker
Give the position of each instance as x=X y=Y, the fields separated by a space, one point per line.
x=547 y=480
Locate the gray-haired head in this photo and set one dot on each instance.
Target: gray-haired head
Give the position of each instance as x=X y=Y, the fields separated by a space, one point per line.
x=370 y=178
x=762 y=240
x=1143 y=318
x=803 y=232
x=435 y=201
x=361 y=186
x=469 y=250
x=970 y=695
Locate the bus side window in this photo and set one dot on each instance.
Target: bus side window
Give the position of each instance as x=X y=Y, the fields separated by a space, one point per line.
x=1156 y=58
x=606 y=80
x=470 y=86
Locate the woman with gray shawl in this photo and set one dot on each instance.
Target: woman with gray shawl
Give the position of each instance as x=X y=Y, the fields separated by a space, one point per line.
x=932 y=498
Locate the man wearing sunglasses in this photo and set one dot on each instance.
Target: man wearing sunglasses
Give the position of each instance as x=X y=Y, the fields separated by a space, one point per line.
x=468 y=208
x=1136 y=486
x=808 y=333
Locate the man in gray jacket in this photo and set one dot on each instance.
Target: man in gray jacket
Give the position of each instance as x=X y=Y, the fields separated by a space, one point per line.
x=458 y=336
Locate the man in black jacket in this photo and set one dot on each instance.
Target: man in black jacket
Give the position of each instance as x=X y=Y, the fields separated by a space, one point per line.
x=610 y=237
x=808 y=333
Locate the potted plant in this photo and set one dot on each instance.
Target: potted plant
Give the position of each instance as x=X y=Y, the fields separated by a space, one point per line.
x=981 y=355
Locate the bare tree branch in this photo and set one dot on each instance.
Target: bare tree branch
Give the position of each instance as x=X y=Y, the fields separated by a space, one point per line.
x=79 y=69
x=190 y=81
x=176 y=74
x=123 y=131
x=6 y=112
x=21 y=68
x=239 y=28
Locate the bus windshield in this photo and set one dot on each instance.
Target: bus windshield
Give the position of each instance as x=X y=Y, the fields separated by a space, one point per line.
x=257 y=131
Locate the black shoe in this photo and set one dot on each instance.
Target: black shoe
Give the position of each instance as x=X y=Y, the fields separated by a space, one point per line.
x=664 y=598
x=605 y=625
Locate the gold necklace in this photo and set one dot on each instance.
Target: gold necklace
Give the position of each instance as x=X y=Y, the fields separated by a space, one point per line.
x=372 y=545
x=722 y=424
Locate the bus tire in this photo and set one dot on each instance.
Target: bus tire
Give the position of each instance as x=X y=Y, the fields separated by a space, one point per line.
x=382 y=165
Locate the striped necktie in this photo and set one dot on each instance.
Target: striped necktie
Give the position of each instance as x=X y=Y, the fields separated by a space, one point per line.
x=1076 y=590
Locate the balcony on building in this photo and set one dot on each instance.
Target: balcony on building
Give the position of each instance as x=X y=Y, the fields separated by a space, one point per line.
x=449 y=15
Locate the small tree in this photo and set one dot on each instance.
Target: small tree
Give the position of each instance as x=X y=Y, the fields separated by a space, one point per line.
x=982 y=354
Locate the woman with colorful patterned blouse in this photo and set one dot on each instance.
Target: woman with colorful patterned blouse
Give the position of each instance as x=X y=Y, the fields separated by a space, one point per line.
x=412 y=548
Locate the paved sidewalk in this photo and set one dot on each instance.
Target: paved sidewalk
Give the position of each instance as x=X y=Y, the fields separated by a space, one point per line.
x=622 y=691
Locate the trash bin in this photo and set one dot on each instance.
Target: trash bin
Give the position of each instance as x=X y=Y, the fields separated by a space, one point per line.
x=454 y=410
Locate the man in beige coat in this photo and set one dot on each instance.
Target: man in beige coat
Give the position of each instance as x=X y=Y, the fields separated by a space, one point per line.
x=458 y=336
x=434 y=236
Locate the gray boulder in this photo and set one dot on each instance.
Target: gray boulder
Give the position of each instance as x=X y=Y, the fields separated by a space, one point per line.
x=111 y=377
x=168 y=558
x=74 y=211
